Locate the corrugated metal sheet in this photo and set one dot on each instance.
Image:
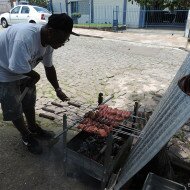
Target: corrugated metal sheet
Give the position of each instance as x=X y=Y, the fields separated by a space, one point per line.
x=170 y=115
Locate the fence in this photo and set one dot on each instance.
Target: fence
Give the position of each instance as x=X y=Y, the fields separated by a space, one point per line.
x=176 y=18
x=97 y=15
x=89 y=15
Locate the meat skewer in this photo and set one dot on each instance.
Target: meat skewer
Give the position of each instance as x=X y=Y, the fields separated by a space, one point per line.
x=102 y=121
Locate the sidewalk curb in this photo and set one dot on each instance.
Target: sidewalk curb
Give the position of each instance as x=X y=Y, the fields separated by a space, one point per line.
x=135 y=42
x=87 y=35
x=145 y=39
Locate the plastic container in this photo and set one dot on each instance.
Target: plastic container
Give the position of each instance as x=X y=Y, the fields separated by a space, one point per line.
x=155 y=182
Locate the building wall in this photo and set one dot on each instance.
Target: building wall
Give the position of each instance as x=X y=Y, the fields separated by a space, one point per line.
x=84 y=8
x=59 y=6
x=187 y=29
x=107 y=12
x=104 y=11
x=132 y=14
x=5 y=6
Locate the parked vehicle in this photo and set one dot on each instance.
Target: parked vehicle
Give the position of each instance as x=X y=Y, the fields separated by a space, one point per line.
x=25 y=13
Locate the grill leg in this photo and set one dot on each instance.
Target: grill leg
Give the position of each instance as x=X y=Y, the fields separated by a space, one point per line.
x=65 y=143
x=107 y=161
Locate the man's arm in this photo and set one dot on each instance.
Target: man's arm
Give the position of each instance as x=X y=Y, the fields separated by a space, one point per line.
x=34 y=77
x=52 y=78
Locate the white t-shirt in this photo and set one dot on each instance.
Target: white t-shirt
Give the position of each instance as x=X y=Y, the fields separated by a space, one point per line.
x=21 y=51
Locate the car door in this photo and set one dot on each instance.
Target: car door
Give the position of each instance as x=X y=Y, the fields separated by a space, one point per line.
x=14 y=15
x=24 y=14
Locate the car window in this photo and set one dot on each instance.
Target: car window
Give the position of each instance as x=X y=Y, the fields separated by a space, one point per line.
x=25 y=10
x=41 y=10
x=15 y=10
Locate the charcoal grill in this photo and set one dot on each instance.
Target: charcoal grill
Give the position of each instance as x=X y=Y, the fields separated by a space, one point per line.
x=101 y=157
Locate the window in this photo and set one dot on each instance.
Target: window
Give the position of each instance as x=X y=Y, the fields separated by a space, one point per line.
x=83 y=7
x=41 y=10
x=15 y=10
x=74 y=7
x=25 y=10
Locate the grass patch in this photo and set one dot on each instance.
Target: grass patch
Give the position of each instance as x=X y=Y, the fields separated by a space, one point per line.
x=107 y=27
x=93 y=25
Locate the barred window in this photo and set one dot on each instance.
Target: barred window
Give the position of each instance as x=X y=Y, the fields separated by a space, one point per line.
x=74 y=7
x=84 y=7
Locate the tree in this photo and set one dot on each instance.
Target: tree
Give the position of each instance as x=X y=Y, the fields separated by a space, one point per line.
x=41 y=3
x=162 y=4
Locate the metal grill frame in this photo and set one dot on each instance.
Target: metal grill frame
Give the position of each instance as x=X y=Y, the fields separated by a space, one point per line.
x=94 y=169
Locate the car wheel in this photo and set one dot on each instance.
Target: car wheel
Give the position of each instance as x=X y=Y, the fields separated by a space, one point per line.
x=32 y=21
x=4 y=23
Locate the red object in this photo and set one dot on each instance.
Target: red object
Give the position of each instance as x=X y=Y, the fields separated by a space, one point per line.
x=103 y=121
x=43 y=17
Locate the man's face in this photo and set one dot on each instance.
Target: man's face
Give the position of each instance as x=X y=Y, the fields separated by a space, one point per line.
x=58 y=38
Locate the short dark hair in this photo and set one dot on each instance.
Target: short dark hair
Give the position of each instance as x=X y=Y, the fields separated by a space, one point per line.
x=62 y=22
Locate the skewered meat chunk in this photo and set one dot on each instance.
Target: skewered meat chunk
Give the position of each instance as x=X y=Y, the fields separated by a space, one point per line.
x=90 y=114
x=103 y=106
x=91 y=129
x=86 y=120
x=102 y=121
x=125 y=114
x=102 y=133
x=81 y=126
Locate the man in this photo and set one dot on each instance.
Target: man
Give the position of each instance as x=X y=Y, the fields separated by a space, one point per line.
x=22 y=47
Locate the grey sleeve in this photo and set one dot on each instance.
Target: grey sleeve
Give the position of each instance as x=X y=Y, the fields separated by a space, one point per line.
x=47 y=57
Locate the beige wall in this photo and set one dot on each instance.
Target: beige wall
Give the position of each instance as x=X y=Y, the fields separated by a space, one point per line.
x=4 y=6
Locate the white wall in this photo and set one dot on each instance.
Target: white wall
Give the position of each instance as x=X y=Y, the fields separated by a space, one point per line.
x=132 y=14
x=103 y=11
x=59 y=5
x=187 y=29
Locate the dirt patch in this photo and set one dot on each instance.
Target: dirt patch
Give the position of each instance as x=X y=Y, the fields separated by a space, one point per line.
x=23 y=170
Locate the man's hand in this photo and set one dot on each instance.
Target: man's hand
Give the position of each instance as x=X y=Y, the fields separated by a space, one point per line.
x=62 y=96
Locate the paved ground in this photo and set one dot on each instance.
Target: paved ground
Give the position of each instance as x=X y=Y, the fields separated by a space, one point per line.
x=134 y=66
x=148 y=37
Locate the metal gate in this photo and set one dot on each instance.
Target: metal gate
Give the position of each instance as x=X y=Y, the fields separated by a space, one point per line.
x=90 y=14
x=167 y=19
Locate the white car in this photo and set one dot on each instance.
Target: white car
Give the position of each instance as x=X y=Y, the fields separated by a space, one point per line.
x=25 y=13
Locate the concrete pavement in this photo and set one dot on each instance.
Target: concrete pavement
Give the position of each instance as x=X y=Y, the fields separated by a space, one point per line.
x=137 y=65
x=145 y=37
x=157 y=38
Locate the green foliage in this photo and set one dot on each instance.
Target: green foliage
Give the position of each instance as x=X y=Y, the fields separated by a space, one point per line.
x=41 y=3
x=161 y=4
x=76 y=15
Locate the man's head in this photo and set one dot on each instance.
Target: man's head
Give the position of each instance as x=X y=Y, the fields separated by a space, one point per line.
x=59 y=28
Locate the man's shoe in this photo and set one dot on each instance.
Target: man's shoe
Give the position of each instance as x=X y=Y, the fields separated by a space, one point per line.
x=32 y=144
x=41 y=133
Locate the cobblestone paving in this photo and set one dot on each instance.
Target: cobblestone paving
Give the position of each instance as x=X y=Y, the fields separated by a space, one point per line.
x=133 y=72
x=87 y=66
